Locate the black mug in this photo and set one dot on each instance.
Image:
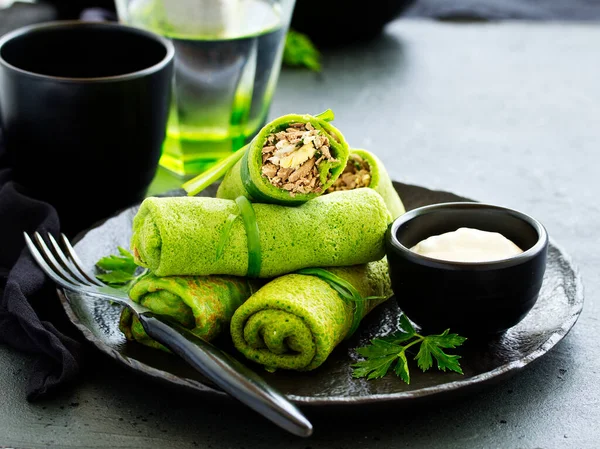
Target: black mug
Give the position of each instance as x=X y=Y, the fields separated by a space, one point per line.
x=84 y=108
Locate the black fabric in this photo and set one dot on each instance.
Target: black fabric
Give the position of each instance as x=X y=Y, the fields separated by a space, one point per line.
x=30 y=311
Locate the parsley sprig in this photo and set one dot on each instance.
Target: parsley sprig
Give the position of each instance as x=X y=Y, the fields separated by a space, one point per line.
x=384 y=352
x=118 y=269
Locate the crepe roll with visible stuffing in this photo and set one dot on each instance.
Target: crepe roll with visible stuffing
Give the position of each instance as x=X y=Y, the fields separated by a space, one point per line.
x=291 y=160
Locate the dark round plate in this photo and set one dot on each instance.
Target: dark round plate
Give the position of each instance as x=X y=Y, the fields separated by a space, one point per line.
x=484 y=361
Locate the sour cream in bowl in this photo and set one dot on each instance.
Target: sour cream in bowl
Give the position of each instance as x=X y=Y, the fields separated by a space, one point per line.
x=472 y=267
x=467 y=245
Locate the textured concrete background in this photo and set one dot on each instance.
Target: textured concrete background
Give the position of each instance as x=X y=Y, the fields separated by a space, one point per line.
x=503 y=113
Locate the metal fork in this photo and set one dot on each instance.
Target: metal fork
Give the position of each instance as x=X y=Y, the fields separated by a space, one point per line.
x=65 y=269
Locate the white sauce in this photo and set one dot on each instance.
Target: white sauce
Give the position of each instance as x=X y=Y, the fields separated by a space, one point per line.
x=467 y=245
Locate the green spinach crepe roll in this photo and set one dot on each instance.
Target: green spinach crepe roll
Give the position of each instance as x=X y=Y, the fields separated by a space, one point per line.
x=203 y=235
x=296 y=320
x=291 y=160
x=203 y=304
x=364 y=169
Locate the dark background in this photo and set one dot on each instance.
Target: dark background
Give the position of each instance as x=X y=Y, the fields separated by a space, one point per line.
x=356 y=21
x=473 y=9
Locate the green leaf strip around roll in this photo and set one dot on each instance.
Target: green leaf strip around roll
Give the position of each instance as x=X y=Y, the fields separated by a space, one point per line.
x=346 y=291
x=247 y=177
x=252 y=235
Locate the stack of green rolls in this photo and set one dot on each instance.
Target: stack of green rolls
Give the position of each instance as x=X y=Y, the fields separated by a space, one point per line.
x=272 y=270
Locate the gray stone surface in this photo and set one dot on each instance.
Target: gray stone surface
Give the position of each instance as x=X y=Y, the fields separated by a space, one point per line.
x=503 y=113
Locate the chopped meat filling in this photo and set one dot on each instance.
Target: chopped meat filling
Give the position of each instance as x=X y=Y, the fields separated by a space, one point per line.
x=291 y=158
x=356 y=174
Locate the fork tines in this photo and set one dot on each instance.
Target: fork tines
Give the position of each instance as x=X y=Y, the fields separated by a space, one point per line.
x=63 y=266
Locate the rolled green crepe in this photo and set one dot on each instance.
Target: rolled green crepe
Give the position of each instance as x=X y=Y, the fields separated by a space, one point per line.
x=203 y=304
x=364 y=169
x=291 y=160
x=203 y=236
x=296 y=320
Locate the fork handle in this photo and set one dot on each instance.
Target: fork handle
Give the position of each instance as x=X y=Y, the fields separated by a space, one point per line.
x=226 y=372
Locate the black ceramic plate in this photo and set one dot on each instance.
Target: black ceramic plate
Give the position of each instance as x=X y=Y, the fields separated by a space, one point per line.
x=484 y=362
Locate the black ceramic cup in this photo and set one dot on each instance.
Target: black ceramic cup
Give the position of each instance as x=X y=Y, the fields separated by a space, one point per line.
x=470 y=298
x=84 y=107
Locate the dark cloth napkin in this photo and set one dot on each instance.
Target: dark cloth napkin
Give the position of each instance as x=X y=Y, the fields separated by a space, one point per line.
x=30 y=312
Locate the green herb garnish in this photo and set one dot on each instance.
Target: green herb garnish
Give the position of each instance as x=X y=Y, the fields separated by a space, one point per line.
x=383 y=352
x=119 y=270
x=299 y=51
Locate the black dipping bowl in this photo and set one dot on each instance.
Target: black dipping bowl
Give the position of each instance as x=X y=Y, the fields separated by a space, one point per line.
x=470 y=298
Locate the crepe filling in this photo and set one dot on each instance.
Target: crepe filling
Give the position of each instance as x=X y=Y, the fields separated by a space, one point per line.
x=356 y=174
x=293 y=158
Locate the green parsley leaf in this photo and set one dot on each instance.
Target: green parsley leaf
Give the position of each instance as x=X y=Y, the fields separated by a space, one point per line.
x=431 y=346
x=447 y=340
x=118 y=270
x=379 y=348
x=381 y=354
x=115 y=277
x=299 y=51
x=423 y=358
x=401 y=368
x=406 y=326
x=123 y=262
x=374 y=368
x=397 y=337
